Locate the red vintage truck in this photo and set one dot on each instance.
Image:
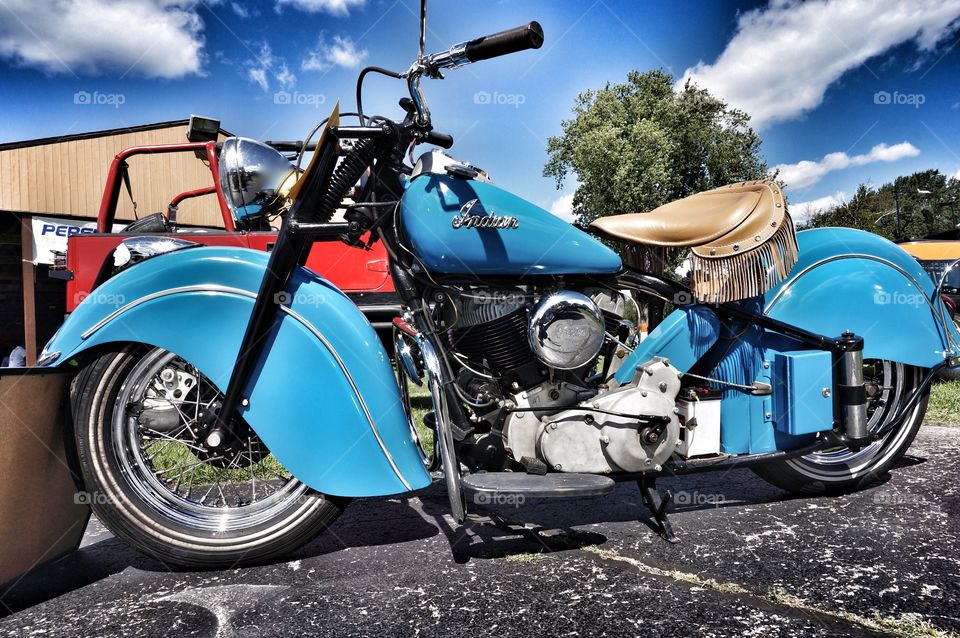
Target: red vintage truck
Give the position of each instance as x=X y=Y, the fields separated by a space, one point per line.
x=362 y=273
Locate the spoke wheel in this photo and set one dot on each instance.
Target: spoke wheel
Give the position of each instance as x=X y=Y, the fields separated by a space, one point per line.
x=166 y=461
x=141 y=417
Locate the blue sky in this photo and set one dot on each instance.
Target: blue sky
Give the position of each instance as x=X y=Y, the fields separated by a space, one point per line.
x=842 y=92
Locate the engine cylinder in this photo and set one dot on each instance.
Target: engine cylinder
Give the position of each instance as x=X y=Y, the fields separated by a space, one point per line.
x=493 y=334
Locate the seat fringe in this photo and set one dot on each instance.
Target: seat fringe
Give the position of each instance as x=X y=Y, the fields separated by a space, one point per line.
x=748 y=274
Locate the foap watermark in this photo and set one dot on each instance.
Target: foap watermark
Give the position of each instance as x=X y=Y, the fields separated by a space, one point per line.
x=516 y=100
x=698 y=498
x=683 y=298
x=885 y=498
x=897 y=298
x=92 y=498
x=288 y=299
x=296 y=98
x=497 y=498
x=96 y=98
x=498 y=297
x=896 y=98
x=114 y=300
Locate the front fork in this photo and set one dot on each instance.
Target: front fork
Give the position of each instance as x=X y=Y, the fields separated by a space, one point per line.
x=443 y=438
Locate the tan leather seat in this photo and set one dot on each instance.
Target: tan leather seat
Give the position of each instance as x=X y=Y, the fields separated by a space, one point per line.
x=741 y=238
x=702 y=218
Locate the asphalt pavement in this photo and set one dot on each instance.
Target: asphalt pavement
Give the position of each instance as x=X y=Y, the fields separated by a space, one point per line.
x=752 y=561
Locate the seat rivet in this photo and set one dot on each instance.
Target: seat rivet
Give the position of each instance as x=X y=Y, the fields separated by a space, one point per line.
x=713 y=251
x=736 y=247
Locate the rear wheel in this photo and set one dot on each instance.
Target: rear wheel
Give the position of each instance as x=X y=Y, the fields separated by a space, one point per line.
x=140 y=417
x=841 y=469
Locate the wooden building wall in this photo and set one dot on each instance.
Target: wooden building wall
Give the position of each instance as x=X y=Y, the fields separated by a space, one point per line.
x=66 y=179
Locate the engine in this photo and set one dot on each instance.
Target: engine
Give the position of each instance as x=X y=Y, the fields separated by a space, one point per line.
x=633 y=428
x=536 y=368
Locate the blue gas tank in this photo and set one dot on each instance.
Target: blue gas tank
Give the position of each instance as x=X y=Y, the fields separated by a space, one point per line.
x=467 y=226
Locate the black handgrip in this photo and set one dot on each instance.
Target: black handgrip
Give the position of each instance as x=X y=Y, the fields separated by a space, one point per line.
x=528 y=36
x=439 y=139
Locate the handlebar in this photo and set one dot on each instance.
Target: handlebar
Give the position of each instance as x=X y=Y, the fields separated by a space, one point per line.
x=528 y=36
x=442 y=140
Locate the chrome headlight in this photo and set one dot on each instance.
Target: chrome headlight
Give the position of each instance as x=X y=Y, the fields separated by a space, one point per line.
x=566 y=330
x=254 y=177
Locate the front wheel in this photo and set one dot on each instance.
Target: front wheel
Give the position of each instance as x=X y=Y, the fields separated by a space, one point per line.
x=841 y=469
x=140 y=417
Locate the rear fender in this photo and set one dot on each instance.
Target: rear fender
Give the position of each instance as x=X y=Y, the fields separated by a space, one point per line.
x=848 y=279
x=323 y=396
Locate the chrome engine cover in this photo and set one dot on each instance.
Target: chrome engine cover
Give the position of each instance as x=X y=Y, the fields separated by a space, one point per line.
x=586 y=440
x=566 y=330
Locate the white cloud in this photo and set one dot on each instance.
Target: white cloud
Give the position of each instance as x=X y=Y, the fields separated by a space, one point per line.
x=240 y=10
x=806 y=172
x=562 y=207
x=152 y=38
x=956 y=175
x=258 y=75
x=285 y=77
x=341 y=52
x=260 y=71
x=802 y=211
x=783 y=57
x=333 y=7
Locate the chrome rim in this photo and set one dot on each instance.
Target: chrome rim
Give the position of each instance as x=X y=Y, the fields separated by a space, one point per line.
x=843 y=463
x=168 y=467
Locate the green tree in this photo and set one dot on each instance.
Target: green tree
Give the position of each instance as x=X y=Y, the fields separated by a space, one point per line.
x=929 y=203
x=638 y=145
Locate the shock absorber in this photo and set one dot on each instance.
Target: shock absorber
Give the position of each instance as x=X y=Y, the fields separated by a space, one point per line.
x=851 y=394
x=347 y=173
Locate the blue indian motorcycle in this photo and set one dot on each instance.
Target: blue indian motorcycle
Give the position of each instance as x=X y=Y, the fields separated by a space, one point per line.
x=229 y=403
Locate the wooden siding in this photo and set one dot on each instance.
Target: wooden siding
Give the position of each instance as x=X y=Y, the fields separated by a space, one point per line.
x=66 y=179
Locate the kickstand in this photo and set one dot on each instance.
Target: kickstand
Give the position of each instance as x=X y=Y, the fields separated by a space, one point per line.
x=658 y=504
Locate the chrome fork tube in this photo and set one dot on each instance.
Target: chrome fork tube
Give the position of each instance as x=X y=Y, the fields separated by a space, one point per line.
x=444 y=434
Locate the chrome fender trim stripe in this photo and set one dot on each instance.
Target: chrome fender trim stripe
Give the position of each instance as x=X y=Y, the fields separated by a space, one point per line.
x=793 y=279
x=299 y=318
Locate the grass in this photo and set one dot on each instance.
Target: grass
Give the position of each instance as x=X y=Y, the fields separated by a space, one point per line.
x=944 y=406
x=420 y=405
x=176 y=461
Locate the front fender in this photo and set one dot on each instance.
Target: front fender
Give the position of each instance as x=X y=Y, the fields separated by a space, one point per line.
x=849 y=279
x=323 y=396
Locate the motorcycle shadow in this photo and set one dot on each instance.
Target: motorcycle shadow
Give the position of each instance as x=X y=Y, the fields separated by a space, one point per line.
x=366 y=522
x=494 y=532
x=538 y=526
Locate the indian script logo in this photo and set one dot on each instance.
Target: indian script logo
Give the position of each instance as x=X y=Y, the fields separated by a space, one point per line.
x=465 y=220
